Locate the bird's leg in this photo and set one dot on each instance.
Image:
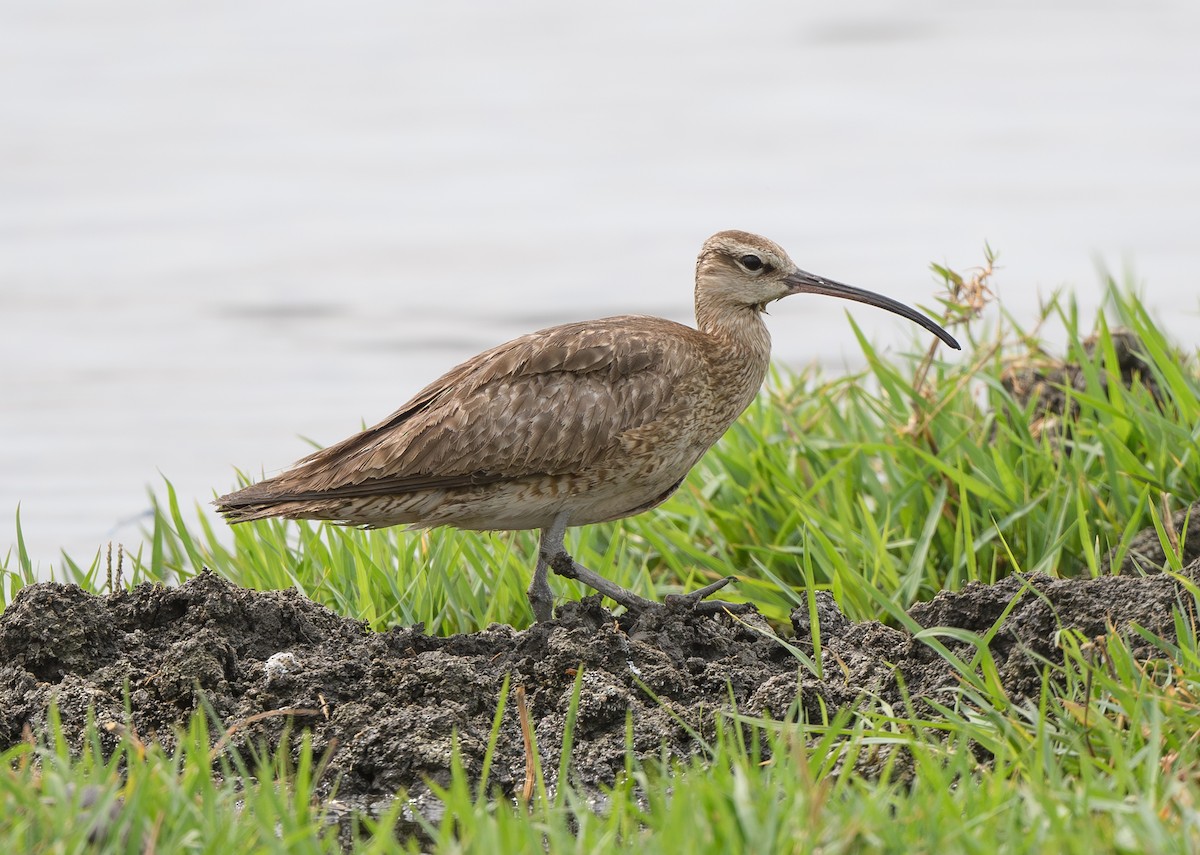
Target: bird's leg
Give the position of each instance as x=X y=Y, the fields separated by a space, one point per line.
x=553 y=554
x=565 y=565
x=539 y=593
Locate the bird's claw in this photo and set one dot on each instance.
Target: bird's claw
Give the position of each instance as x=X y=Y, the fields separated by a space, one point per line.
x=698 y=602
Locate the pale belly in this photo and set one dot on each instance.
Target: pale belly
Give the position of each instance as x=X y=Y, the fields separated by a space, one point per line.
x=536 y=503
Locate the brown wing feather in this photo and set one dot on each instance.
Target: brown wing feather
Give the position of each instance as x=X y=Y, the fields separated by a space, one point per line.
x=547 y=403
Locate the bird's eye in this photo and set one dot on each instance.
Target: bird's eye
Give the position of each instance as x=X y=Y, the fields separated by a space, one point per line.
x=751 y=262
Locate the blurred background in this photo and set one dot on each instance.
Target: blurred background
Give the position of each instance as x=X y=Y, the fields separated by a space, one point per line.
x=228 y=226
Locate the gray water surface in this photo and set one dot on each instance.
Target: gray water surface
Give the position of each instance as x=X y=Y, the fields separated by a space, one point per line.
x=228 y=226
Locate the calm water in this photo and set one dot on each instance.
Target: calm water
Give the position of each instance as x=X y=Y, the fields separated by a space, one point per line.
x=227 y=226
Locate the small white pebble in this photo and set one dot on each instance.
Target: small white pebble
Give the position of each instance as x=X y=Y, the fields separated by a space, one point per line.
x=279 y=665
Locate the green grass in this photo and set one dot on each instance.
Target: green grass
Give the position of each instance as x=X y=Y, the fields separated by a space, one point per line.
x=883 y=487
x=138 y=798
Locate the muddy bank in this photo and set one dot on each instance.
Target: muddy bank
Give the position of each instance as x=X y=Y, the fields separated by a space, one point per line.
x=385 y=705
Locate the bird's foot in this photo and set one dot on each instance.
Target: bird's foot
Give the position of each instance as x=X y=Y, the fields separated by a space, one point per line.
x=566 y=566
x=698 y=601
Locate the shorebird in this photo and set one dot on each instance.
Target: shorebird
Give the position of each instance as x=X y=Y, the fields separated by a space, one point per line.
x=576 y=424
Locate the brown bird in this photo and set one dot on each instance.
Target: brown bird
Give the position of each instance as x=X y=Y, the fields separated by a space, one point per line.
x=576 y=424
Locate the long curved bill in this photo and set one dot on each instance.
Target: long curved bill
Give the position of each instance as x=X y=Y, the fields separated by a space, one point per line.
x=806 y=283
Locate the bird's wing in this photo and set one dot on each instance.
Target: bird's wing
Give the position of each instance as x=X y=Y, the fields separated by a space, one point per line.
x=551 y=402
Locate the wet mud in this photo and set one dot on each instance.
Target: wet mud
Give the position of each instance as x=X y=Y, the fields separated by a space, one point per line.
x=386 y=706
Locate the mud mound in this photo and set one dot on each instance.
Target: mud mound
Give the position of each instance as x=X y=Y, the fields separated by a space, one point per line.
x=385 y=705
x=1050 y=383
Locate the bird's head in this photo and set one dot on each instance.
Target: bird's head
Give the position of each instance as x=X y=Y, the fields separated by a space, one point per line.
x=739 y=270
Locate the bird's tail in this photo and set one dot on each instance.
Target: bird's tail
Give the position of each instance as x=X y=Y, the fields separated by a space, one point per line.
x=265 y=500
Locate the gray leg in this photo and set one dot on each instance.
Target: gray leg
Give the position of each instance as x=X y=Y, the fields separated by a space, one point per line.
x=539 y=593
x=552 y=554
x=565 y=565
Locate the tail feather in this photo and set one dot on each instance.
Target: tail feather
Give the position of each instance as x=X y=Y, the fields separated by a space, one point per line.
x=246 y=513
x=263 y=501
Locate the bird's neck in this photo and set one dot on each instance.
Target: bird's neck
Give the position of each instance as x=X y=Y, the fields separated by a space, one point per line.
x=741 y=338
x=738 y=325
